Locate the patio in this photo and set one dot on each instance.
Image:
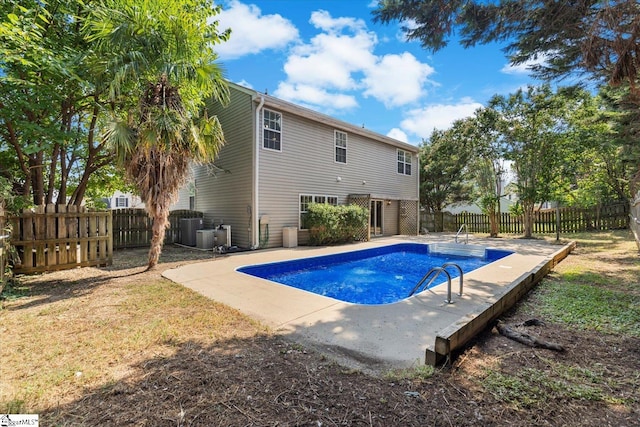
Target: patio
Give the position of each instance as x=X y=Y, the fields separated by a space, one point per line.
x=418 y=330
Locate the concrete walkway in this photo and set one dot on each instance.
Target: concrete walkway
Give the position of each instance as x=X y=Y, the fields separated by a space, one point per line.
x=375 y=338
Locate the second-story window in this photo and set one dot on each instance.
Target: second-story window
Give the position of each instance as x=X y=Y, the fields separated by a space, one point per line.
x=341 y=146
x=404 y=162
x=122 y=202
x=272 y=133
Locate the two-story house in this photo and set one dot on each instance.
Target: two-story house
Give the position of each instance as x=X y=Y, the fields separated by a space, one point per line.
x=279 y=157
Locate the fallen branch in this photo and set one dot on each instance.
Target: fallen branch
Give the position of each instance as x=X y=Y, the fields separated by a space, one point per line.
x=525 y=338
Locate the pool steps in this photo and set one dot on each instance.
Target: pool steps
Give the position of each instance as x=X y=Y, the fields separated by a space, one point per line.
x=457 y=249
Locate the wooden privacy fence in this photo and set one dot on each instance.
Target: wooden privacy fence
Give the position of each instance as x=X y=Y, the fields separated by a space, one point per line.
x=132 y=227
x=59 y=237
x=572 y=220
x=634 y=216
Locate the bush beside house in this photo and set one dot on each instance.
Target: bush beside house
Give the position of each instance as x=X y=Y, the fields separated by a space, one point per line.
x=330 y=224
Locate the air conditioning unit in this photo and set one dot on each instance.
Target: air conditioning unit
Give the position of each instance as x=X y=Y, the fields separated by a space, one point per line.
x=205 y=239
x=188 y=229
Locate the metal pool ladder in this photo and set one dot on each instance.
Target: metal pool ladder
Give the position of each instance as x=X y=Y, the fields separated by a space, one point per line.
x=438 y=270
x=463 y=226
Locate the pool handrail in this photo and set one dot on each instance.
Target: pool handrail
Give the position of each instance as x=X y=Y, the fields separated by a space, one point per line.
x=426 y=276
x=453 y=264
x=463 y=226
x=442 y=269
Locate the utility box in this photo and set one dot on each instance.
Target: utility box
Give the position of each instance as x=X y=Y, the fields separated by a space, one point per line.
x=188 y=229
x=290 y=237
x=223 y=236
x=205 y=239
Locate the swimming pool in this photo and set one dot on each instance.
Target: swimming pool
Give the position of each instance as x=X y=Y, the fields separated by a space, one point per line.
x=373 y=276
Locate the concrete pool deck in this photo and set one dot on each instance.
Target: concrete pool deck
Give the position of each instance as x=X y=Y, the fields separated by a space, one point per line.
x=421 y=329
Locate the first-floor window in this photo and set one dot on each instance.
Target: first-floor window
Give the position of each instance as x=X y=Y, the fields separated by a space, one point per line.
x=307 y=199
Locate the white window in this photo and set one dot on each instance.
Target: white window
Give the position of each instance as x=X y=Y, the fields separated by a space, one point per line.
x=307 y=199
x=272 y=132
x=122 y=202
x=404 y=162
x=341 y=146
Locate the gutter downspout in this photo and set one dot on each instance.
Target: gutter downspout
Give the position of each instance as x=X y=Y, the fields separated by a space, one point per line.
x=256 y=180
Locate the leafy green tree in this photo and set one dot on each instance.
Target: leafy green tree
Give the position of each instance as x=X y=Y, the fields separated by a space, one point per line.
x=593 y=38
x=597 y=37
x=593 y=172
x=535 y=130
x=158 y=60
x=443 y=161
x=488 y=165
x=622 y=112
x=49 y=103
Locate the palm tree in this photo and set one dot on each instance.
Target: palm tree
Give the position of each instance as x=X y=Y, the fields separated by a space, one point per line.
x=159 y=65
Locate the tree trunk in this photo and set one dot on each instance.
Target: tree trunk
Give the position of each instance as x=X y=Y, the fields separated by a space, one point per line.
x=438 y=221
x=37 y=180
x=53 y=164
x=494 y=221
x=528 y=219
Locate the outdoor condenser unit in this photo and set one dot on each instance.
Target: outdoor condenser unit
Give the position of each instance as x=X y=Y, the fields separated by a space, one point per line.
x=205 y=239
x=188 y=229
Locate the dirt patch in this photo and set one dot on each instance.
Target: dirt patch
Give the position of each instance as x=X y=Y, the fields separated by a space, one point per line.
x=245 y=376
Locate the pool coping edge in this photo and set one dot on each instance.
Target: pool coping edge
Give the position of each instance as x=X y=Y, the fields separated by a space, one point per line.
x=460 y=332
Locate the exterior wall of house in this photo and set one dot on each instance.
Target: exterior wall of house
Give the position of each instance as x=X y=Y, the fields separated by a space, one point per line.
x=223 y=190
x=120 y=200
x=306 y=165
x=183 y=196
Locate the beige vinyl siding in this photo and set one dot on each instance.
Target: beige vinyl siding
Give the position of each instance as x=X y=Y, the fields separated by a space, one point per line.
x=183 y=198
x=224 y=193
x=306 y=165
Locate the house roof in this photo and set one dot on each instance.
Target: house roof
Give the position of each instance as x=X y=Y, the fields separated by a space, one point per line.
x=273 y=102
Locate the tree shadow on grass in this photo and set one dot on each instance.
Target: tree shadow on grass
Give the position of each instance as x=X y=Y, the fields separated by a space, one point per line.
x=130 y=264
x=268 y=381
x=258 y=381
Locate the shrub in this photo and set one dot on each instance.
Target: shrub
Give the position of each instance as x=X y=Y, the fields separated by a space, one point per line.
x=330 y=224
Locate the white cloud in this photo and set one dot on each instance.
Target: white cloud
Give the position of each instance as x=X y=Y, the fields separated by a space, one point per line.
x=322 y=20
x=422 y=121
x=252 y=32
x=525 y=67
x=308 y=94
x=398 y=134
x=244 y=83
x=341 y=58
x=330 y=60
x=397 y=79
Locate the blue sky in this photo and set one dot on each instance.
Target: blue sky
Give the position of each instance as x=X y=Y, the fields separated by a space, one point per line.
x=329 y=56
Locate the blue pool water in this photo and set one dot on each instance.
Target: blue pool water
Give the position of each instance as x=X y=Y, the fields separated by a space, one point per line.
x=371 y=276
